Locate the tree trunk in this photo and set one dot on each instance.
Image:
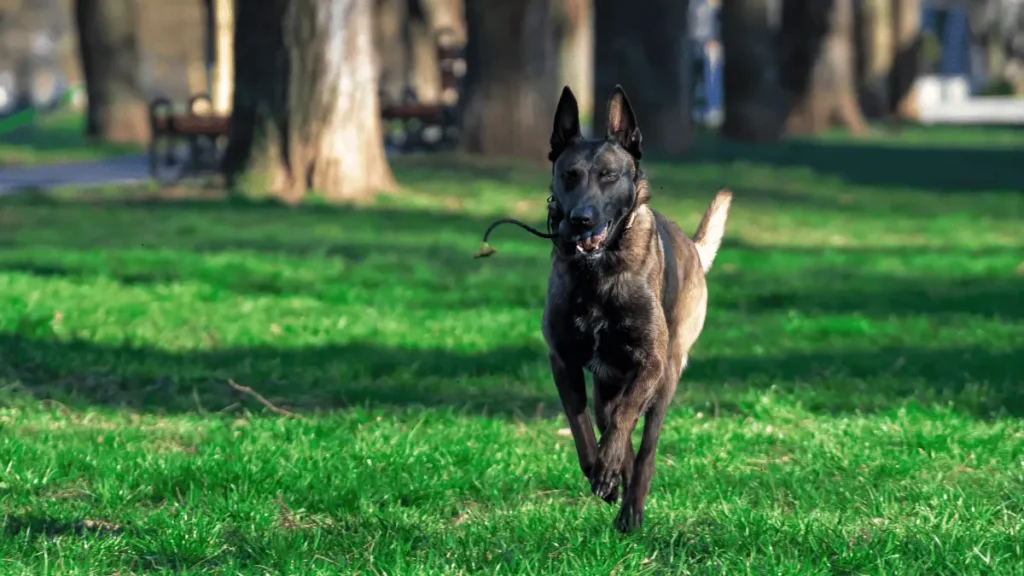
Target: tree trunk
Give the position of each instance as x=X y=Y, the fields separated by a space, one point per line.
x=645 y=47
x=223 y=83
x=823 y=83
x=258 y=105
x=392 y=47
x=875 y=39
x=755 y=100
x=510 y=79
x=425 y=77
x=433 y=23
x=108 y=46
x=907 y=60
x=575 y=34
x=306 y=110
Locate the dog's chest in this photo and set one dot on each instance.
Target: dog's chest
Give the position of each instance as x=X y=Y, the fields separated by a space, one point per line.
x=605 y=344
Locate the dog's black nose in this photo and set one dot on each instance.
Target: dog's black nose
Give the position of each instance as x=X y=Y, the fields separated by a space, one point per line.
x=582 y=217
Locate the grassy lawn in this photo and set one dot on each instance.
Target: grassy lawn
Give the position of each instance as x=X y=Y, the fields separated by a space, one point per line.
x=854 y=406
x=52 y=138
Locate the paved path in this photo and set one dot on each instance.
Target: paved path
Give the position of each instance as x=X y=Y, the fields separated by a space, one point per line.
x=123 y=170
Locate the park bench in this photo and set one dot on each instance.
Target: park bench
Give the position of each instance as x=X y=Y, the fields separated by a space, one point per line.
x=188 y=143
x=411 y=125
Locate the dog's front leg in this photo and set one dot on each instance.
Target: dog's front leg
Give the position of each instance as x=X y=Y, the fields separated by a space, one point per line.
x=572 y=390
x=616 y=441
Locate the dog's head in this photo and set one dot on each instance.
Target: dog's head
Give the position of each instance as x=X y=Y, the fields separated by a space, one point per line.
x=594 y=184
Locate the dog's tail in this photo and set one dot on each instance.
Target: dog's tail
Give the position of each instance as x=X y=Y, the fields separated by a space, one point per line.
x=708 y=237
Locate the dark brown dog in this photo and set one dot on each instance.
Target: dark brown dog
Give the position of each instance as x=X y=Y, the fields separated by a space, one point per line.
x=626 y=299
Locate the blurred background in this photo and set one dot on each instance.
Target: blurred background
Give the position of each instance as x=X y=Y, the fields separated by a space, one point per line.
x=750 y=69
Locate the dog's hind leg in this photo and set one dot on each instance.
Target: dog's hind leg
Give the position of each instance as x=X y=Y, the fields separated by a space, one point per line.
x=572 y=390
x=607 y=395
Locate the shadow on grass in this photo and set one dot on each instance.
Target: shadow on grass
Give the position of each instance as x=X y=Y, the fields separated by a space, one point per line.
x=510 y=381
x=41 y=525
x=217 y=225
x=809 y=290
x=387 y=264
x=84 y=373
x=938 y=169
x=875 y=295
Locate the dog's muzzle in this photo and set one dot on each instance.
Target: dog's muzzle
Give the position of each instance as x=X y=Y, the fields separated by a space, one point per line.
x=592 y=241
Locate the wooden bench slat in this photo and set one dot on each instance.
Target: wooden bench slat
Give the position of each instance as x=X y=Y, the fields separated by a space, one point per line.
x=202 y=125
x=409 y=111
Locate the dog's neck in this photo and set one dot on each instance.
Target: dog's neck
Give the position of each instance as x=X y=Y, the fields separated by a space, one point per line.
x=643 y=196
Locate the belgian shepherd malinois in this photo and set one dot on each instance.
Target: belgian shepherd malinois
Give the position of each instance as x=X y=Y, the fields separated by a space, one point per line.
x=626 y=298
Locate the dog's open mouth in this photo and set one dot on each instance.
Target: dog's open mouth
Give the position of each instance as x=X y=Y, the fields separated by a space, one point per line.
x=591 y=242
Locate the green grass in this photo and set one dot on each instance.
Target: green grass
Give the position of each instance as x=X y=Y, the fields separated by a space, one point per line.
x=854 y=405
x=53 y=138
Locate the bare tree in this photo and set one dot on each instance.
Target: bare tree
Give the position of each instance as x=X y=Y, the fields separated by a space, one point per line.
x=510 y=79
x=109 y=51
x=433 y=22
x=392 y=46
x=755 y=99
x=875 y=55
x=644 y=47
x=822 y=77
x=575 y=37
x=907 y=62
x=306 y=109
x=790 y=67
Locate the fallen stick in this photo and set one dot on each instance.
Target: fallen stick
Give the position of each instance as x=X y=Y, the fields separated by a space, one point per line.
x=261 y=399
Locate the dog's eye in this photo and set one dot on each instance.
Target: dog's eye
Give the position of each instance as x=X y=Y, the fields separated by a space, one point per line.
x=571 y=177
x=608 y=175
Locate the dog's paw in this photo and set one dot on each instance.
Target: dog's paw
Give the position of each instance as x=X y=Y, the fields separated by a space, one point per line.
x=604 y=483
x=604 y=478
x=630 y=518
x=612 y=496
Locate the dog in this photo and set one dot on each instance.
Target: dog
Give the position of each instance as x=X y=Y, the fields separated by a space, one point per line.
x=626 y=299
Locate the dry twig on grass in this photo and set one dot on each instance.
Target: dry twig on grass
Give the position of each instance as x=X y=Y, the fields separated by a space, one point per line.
x=261 y=399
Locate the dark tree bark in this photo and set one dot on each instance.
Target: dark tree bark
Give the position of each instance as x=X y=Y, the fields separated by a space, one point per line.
x=875 y=55
x=306 y=107
x=906 y=65
x=259 y=102
x=510 y=83
x=821 y=59
x=644 y=47
x=109 y=51
x=755 y=98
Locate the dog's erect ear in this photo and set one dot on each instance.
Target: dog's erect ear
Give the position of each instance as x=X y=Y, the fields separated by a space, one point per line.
x=567 y=124
x=622 y=123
